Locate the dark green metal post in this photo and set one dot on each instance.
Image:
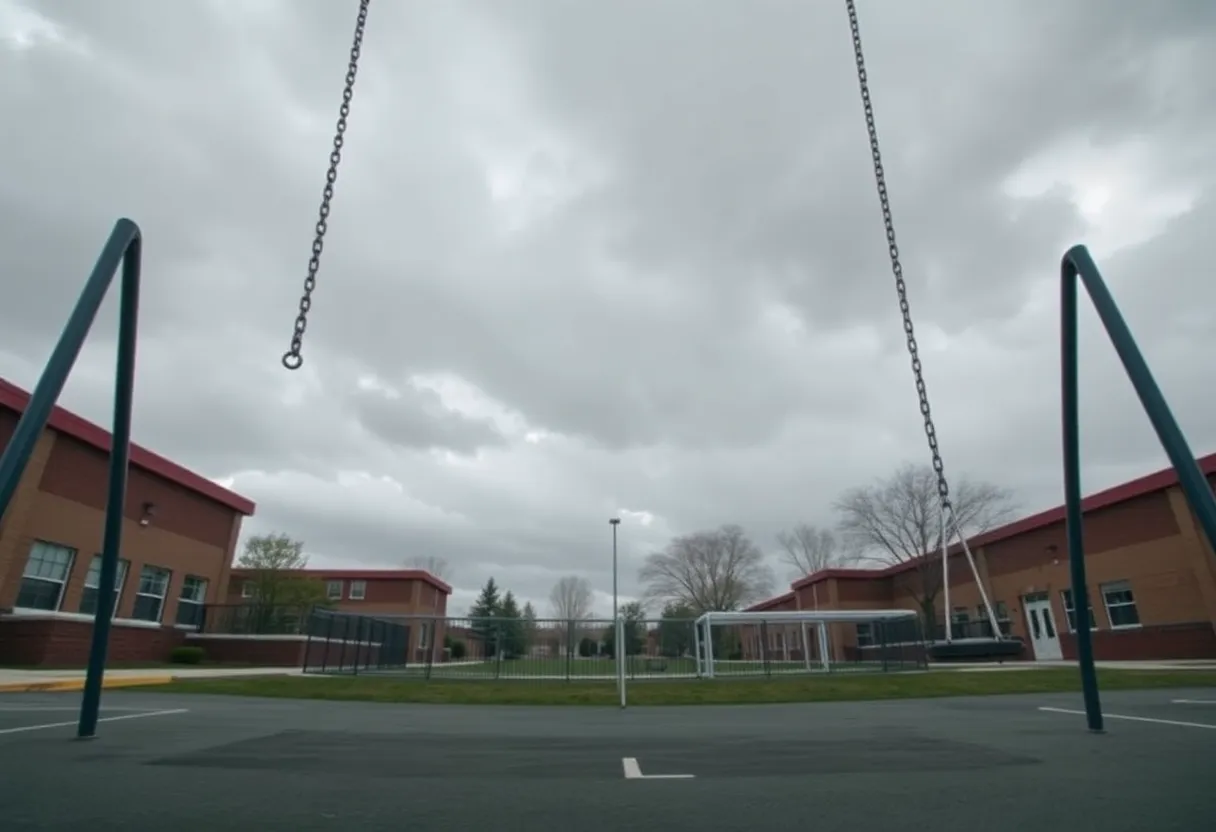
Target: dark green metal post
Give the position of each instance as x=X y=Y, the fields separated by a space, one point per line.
x=1078 y=264
x=123 y=247
x=1074 y=519
x=46 y=392
x=120 y=452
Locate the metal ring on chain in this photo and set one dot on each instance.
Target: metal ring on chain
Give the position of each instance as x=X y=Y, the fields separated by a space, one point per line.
x=901 y=287
x=293 y=359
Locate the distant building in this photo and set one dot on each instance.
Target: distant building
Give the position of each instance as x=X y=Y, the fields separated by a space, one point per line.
x=412 y=595
x=1151 y=573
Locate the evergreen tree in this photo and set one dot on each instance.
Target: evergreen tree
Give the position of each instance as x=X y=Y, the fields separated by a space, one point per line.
x=530 y=629
x=511 y=627
x=676 y=629
x=482 y=615
x=635 y=631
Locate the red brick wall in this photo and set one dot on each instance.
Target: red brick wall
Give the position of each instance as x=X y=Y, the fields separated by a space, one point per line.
x=281 y=651
x=55 y=642
x=1167 y=641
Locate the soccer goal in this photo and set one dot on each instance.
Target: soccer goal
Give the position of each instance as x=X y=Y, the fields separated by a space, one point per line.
x=807 y=641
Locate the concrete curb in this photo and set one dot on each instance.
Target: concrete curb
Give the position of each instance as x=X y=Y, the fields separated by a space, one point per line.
x=69 y=685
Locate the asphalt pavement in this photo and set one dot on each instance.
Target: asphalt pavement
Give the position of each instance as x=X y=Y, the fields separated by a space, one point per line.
x=992 y=763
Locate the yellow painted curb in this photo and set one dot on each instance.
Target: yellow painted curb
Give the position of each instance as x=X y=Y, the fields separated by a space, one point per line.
x=62 y=685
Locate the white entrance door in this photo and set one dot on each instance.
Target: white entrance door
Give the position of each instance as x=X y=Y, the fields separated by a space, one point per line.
x=1044 y=637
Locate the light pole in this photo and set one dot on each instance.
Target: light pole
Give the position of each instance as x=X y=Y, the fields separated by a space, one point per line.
x=617 y=629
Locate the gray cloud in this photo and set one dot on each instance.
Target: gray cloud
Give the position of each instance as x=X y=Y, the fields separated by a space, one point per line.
x=608 y=257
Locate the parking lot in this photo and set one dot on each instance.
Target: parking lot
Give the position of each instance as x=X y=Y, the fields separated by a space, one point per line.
x=1018 y=762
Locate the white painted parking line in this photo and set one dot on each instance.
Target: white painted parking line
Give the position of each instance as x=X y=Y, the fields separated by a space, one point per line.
x=633 y=771
x=25 y=728
x=30 y=709
x=1134 y=718
x=1193 y=701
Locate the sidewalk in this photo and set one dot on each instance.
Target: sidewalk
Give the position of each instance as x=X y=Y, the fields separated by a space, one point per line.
x=980 y=667
x=33 y=681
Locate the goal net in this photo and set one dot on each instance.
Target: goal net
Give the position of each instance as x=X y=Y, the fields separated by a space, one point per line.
x=804 y=642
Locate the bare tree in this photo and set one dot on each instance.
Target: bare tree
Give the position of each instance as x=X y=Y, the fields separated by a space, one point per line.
x=437 y=566
x=571 y=602
x=898 y=520
x=711 y=570
x=810 y=549
x=571 y=599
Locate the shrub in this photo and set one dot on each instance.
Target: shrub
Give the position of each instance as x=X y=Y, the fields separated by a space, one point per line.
x=458 y=649
x=186 y=655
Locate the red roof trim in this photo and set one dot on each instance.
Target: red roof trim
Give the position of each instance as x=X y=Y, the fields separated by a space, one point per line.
x=364 y=575
x=1139 y=487
x=14 y=398
x=771 y=602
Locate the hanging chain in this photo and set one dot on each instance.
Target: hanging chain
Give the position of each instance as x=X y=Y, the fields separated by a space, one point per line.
x=293 y=359
x=880 y=177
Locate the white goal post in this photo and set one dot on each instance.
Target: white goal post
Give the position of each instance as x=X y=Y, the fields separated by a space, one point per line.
x=703 y=638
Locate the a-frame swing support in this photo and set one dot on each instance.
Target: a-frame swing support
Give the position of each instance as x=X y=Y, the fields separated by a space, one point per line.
x=1078 y=266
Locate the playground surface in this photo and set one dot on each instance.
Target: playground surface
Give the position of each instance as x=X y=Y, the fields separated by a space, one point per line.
x=998 y=763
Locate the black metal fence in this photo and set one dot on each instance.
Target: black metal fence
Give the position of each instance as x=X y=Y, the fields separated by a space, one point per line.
x=344 y=643
x=546 y=651
x=256 y=619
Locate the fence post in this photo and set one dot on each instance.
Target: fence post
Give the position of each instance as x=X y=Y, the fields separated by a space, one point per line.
x=307 y=644
x=497 y=650
x=764 y=662
x=430 y=653
x=342 y=650
x=329 y=633
x=569 y=648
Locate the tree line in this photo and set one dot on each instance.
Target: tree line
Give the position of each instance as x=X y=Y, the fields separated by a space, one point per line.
x=893 y=520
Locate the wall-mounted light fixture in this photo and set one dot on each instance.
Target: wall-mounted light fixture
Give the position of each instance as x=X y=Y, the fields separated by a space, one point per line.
x=147 y=513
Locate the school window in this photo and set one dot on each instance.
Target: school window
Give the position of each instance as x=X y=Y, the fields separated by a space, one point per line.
x=88 y=596
x=46 y=574
x=247 y=589
x=424 y=635
x=150 y=595
x=865 y=635
x=358 y=590
x=960 y=617
x=1120 y=605
x=333 y=590
x=1000 y=610
x=1070 y=612
x=190 y=601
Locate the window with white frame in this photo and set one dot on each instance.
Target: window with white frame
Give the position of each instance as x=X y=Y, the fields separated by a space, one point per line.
x=865 y=634
x=89 y=595
x=46 y=573
x=1120 y=605
x=960 y=617
x=190 y=601
x=1000 y=610
x=358 y=590
x=150 y=594
x=333 y=590
x=1070 y=612
x=247 y=589
x=424 y=635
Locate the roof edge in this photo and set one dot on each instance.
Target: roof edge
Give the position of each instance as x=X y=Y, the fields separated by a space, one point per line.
x=360 y=575
x=1107 y=497
x=64 y=421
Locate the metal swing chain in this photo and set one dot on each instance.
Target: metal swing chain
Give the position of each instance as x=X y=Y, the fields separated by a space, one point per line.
x=293 y=359
x=880 y=177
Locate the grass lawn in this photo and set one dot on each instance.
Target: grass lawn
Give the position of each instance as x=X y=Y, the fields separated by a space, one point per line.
x=827 y=688
x=580 y=668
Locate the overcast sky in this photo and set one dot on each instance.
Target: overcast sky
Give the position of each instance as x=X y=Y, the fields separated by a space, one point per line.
x=594 y=258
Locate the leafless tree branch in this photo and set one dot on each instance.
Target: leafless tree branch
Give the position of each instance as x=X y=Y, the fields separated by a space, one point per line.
x=710 y=570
